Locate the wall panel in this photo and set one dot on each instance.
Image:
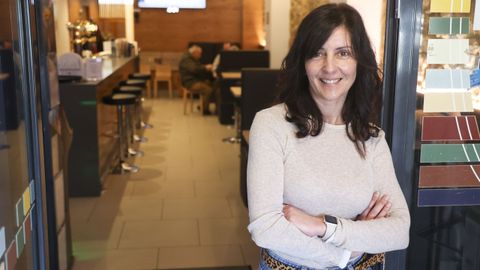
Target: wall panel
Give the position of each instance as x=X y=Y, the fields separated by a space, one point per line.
x=253 y=33
x=5 y=29
x=157 y=30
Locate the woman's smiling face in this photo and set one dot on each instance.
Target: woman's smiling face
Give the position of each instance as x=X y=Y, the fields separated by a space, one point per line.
x=332 y=71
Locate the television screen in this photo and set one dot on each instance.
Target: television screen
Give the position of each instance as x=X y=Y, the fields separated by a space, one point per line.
x=197 y=4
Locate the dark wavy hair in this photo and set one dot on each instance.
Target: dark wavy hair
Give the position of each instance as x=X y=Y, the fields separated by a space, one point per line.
x=362 y=105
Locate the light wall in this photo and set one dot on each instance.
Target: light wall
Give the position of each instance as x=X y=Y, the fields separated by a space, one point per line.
x=277 y=28
x=373 y=16
x=62 y=38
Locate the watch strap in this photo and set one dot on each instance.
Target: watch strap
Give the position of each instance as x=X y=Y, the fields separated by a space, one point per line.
x=330 y=229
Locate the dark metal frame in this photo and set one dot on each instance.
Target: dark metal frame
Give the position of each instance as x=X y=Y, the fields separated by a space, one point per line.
x=402 y=44
x=34 y=137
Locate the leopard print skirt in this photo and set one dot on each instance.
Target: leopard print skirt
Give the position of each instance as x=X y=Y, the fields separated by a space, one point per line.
x=366 y=262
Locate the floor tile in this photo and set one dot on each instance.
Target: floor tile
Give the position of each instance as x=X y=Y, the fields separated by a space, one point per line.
x=210 y=189
x=96 y=236
x=251 y=254
x=193 y=173
x=223 y=231
x=167 y=189
x=196 y=208
x=230 y=174
x=168 y=233
x=148 y=173
x=126 y=259
x=203 y=256
x=81 y=208
x=127 y=209
x=237 y=206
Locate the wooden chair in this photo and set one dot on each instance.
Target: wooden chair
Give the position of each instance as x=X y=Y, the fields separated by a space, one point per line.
x=163 y=73
x=188 y=97
x=148 y=69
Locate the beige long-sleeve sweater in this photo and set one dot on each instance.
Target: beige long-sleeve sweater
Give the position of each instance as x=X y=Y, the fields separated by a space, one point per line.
x=320 y=175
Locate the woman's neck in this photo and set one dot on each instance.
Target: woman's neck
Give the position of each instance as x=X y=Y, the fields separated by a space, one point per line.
x=333 y=119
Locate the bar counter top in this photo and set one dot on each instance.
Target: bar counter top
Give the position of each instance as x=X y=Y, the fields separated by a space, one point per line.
x=94 y=149
x=109 y=68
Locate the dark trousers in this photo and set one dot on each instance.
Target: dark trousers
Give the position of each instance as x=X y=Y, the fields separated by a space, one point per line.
x=204 y=88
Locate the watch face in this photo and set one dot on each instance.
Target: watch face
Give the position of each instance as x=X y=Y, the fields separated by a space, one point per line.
x=330 y=219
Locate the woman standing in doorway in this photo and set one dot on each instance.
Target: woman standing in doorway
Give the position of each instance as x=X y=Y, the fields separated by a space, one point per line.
x=322 y=189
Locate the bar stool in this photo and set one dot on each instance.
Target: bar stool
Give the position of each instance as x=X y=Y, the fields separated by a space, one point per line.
x=144 y=77
x=134 y=82
x=138 y=83
x=122 y=101
x=147 y=78
x=237 y=120
x=137 y=91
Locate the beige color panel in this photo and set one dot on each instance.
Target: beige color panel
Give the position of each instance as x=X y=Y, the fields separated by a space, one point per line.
x=448 y=102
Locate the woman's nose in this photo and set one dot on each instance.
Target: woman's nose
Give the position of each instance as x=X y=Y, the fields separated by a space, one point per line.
x=329 y=64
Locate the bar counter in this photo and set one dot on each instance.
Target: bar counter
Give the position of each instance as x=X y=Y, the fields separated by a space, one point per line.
x=94 y=147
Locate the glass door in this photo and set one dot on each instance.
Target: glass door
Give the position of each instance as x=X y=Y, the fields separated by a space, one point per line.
x=445 y=206
x=21 y=222
x=432 y=114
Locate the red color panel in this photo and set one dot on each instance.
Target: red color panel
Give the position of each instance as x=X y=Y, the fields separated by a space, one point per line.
x=11 y=256
x=450 y=128
x=449 y=176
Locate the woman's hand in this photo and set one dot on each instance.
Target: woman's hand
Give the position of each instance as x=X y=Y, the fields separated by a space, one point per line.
x=379 y=207
x=309 y=225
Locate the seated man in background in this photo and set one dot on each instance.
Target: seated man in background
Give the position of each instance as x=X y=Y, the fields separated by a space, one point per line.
x=195 y=76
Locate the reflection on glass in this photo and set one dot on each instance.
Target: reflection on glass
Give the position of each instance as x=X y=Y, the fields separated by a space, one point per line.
x=445 y=218
x=14 y=168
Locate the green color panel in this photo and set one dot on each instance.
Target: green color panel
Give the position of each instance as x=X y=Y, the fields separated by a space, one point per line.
x=20 y=239
x=456 y=29
x=465 y=25
x=441 y=26
x=438 y=153
x=438 y=26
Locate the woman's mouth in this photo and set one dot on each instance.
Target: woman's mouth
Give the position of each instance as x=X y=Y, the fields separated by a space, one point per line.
x=330 y=81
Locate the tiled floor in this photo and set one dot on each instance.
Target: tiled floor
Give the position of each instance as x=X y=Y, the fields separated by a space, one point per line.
x=181 y=210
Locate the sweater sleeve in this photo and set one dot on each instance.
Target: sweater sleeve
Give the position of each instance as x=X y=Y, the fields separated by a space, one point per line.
x=265 y=184
x=385 y=234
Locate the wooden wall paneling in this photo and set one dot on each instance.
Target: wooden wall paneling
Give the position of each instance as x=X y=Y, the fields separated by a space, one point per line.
x=253 y=34
x=112 y=28
x=74 y=7
x=156 y=30
x=5 y=30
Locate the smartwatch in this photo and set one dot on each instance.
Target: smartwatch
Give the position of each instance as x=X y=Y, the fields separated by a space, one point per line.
x=331 y=225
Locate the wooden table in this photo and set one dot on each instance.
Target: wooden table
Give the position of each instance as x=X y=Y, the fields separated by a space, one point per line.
x=232 y=75
x=236 y=91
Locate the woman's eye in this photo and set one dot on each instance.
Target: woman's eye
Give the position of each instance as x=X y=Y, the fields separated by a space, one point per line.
x=344 y=54
x=320 y=54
